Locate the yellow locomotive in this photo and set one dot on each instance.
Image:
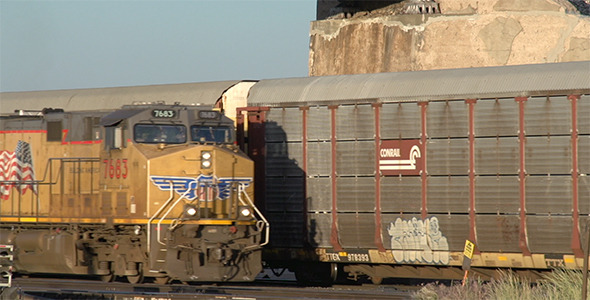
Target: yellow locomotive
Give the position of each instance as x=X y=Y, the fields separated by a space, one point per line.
x=149 y=190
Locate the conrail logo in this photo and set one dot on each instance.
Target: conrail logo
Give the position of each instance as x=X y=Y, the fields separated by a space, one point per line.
x=400 y=157
x=202 y=187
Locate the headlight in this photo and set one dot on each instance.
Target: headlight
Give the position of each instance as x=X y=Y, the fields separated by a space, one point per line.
x=206 y=159
x=137 y=229
x=191 y=211
x=205 y=155
x=245 y=211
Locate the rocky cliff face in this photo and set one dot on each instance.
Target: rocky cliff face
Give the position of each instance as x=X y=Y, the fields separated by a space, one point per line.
x=467 y=33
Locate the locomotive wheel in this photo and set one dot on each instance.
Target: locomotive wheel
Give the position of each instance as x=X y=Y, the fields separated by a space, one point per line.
x=107 y=278
x=135 y=279
x=162 y=280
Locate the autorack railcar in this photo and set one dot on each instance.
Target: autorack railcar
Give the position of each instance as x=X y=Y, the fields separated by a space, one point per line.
x=388 y=175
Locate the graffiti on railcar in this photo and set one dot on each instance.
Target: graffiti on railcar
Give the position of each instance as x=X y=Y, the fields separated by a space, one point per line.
x=418 y=241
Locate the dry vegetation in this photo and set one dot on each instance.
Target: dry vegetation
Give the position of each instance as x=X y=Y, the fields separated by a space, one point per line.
x=559 y=284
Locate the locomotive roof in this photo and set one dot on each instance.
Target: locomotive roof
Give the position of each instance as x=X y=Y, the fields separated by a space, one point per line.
x=113 y=98
x=129 y=111
x=483 y=82
x=118 y=115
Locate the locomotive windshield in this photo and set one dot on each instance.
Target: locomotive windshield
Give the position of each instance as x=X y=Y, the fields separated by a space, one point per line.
x=203 y=133
x=153 y=133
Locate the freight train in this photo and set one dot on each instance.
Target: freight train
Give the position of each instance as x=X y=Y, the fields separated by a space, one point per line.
x=145 y=191
x=373 y=176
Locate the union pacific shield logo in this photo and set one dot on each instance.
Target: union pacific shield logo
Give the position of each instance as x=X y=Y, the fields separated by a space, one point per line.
x=401 y=157
x=190 y=186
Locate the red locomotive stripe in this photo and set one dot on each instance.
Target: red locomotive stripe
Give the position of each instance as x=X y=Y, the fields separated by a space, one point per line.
x=37 y=219
x=83 y=142
x=23 y=131
x=63 y=140
x=63 y=136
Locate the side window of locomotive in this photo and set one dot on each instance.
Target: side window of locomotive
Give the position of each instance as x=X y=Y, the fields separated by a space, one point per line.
x=54 y=130
x=203 y=134
x=155 y=134
x=91 y=128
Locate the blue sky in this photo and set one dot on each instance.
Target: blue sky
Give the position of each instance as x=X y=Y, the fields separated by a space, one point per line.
x=46 y=45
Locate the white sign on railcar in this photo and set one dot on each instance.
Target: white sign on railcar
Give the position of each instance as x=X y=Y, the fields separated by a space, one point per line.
x=400 y=157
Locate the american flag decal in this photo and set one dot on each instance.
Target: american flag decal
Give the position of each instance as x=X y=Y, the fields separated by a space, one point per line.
x=16 y=170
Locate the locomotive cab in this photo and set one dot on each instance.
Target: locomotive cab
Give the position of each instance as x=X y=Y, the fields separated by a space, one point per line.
x=201 y=223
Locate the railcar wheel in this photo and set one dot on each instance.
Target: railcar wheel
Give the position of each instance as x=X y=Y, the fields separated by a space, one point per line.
x=376 y=280
x=316 y=274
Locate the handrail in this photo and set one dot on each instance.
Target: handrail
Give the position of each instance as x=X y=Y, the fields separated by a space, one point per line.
x=51 y=181
x=154 y=216
x=261 y=222
x=67 y=160
x=242 y=190
x=170 y=209
x=8 y=257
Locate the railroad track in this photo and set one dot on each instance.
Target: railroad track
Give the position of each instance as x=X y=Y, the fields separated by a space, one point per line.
x=46 y=288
